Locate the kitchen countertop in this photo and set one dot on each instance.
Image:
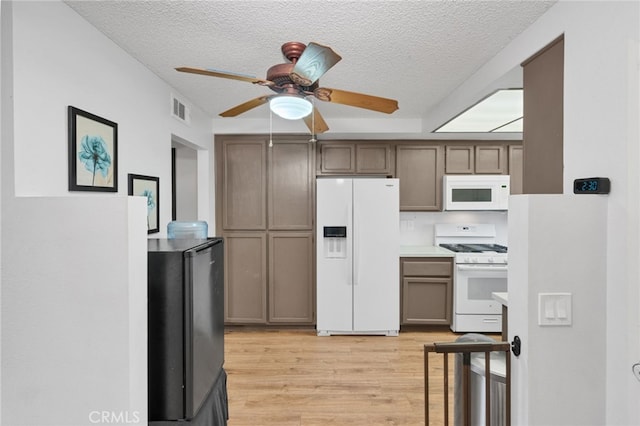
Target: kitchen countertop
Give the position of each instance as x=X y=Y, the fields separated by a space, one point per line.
x=425 y=251
x=501 y=297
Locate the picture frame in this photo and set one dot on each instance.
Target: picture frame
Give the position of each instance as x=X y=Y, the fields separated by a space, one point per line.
x=147 y=186
x=93 y=152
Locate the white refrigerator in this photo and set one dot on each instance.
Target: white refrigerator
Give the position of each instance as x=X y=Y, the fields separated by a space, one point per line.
x=358 y=256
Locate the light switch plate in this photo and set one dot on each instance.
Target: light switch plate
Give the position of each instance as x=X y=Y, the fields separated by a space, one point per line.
x=554 y=309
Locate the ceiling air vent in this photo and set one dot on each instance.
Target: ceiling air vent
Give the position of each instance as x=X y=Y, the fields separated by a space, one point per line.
x=179 y=110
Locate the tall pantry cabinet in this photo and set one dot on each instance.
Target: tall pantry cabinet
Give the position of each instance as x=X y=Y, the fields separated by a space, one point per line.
x=265 y=202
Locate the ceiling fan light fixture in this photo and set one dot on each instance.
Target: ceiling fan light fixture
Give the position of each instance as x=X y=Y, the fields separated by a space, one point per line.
x=290 y=107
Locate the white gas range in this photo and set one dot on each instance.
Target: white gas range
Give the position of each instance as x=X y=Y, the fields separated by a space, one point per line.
x=481 y=269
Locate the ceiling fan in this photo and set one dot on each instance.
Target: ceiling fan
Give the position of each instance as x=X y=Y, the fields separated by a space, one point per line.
x=296 y=81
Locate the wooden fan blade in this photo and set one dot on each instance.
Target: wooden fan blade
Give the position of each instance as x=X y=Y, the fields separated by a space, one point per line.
x=359 y=100
x=225 y=74
x=239 y=109
x=317 y=121
x=313 y=63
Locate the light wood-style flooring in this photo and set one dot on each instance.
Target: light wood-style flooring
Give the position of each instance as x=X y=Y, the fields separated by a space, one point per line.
x=293 y=377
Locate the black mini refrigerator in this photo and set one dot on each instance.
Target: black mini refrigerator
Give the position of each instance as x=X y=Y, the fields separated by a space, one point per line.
x=186 y=326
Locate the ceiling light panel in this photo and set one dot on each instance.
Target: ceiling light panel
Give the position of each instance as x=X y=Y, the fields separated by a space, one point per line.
x=497 y=111
x=514 y=126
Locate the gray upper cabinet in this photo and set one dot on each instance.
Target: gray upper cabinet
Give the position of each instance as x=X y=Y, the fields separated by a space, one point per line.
x=490 y=159
x=337 y=158
x=291 y=184
x=515 y=168
x=351 y=158
x=543 y=81
x=244 y=190
x=373 y=159
x=460 y=160
x=476 y=159
x=420 y=170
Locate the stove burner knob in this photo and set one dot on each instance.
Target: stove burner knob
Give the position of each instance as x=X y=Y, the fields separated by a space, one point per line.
x=474 y=260
x=490 y=260
x=466 y=260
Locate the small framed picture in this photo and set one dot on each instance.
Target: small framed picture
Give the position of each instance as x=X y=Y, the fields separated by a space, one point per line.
x=93 y=152
x=149 y=187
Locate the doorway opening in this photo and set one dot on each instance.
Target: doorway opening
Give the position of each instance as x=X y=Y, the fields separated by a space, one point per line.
x=184 y=181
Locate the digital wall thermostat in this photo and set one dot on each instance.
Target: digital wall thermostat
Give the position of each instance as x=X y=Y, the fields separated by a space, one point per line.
x=594 y=185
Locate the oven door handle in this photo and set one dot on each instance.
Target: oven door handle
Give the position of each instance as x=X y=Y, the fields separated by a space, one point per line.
x=482 y=268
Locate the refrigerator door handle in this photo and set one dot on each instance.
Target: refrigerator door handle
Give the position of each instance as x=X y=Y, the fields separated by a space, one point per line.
x=356 y=253
x=350 y=219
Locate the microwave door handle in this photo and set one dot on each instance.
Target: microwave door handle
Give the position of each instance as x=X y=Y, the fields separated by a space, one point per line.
x=482 y=268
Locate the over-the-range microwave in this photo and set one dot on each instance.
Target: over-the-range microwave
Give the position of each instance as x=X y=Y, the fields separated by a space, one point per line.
x=476 y=192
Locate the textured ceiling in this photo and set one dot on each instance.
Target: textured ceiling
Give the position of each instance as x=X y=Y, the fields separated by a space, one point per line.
x=414 y=51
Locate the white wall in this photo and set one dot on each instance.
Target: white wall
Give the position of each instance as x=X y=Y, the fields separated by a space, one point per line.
x=416 y=228
x=186 y=175
x=600 y=139
x=558 y=244
x=74 y=296
x=61 y=60
x=6 y=133
x=73 y=265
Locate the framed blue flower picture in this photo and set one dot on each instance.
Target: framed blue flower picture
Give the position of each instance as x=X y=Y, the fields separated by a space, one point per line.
x=93 y=152
x=148 y=187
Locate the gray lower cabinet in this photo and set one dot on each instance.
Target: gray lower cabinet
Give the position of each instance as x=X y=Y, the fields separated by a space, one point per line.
x=284 y=294
x=427 y=290
x=291 y=297
x=245 y=273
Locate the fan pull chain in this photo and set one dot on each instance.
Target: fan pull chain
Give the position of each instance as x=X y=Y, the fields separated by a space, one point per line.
x=270 y=128
x=313 y=121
